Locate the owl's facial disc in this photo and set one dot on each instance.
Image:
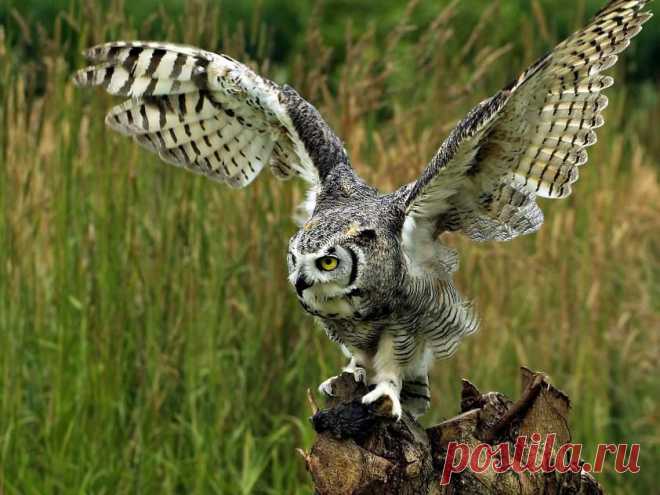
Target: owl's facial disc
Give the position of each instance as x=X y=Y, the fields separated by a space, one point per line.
x=324 y=279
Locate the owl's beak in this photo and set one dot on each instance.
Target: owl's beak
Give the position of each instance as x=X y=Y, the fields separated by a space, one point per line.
x=302 y=284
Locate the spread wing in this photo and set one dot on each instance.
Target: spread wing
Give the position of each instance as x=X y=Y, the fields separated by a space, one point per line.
x=526 y=141
x=211 y=114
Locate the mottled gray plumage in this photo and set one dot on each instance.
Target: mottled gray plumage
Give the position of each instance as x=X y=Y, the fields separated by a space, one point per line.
x=368 y=265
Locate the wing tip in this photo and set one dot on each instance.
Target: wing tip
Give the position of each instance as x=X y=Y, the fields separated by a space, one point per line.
x=102 y=52
x=93 y=54
x=112 y=121
x=643 y=17
x=84 y=77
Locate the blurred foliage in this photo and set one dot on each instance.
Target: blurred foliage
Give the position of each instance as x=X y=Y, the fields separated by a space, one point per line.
x=284 y=22
x=149 y=340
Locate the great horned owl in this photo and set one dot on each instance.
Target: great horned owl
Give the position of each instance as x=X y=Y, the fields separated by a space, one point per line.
x=368 y=265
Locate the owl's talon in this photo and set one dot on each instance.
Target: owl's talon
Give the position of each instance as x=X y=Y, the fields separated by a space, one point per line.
x=385 y=389
x=326 y=387
x=359 y=374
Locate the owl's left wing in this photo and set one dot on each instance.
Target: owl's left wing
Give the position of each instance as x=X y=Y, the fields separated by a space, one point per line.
x=210 y=114
x=526 y=141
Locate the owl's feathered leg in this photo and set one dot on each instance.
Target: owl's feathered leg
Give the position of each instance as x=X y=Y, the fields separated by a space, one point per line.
x=415 y=392
x=387 y=377
x=416 y=395
x=355 y=366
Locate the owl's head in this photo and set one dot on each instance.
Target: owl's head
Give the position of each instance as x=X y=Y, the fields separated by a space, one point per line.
x=340 y=264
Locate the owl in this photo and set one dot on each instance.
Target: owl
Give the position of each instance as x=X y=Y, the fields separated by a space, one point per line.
x=369 y=265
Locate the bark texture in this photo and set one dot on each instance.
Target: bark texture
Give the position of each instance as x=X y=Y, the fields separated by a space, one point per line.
x=361 y=450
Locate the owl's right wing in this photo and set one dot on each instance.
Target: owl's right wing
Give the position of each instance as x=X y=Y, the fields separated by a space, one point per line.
x=525 y=142
x=211 y=114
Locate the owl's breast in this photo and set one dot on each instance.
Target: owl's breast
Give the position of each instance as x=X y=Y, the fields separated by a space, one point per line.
x=361 y=335
x=328 y=302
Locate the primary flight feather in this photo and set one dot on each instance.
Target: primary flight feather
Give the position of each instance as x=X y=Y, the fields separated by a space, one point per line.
x=368 y=265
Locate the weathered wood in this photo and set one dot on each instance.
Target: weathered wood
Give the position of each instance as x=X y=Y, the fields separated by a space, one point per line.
x=361 y=450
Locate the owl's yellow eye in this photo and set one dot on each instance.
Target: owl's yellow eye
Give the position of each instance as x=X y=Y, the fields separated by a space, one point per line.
x=327 y=263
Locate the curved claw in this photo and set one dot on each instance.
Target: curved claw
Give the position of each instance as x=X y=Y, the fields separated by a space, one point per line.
x=359 y=374
x=326 y=387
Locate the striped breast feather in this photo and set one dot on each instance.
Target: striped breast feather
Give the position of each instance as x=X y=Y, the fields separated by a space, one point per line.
x=485 y=182
x=205 y=112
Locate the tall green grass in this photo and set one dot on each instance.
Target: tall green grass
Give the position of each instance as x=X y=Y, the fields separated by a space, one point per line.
x=149 y=342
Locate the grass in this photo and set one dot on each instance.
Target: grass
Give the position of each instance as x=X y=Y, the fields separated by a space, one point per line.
x=149 y=341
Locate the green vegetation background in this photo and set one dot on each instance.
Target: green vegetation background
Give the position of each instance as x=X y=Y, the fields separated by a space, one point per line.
x=148 y=340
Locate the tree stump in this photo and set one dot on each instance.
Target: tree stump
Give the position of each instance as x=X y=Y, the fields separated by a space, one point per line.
x=360 y=450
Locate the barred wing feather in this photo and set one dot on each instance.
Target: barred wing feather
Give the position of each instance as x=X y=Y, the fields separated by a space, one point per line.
x=529 y=140
x=205 y=112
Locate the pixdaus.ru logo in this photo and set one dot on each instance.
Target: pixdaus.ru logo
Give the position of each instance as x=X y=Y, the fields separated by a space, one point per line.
x=532 y=456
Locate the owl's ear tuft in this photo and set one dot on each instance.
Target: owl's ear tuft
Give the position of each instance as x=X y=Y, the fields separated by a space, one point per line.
x=366 y=235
